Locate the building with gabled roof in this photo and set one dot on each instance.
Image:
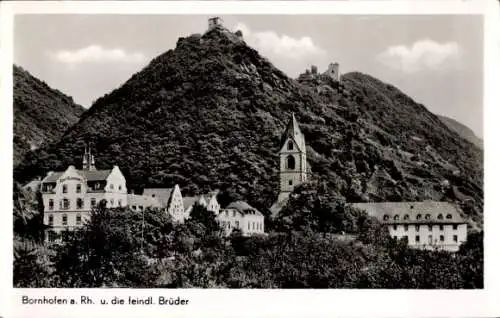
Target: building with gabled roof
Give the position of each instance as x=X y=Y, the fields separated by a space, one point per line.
x=208 y=200
x=294 y=168
x=240 y=215
x=425 y=224
x=69 y=196
x=170 y=200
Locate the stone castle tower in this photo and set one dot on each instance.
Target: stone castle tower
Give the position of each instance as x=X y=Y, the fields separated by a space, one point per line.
x=333 y=71
x=293 y=162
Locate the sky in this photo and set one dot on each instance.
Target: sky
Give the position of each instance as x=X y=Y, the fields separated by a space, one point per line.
x=435 y=59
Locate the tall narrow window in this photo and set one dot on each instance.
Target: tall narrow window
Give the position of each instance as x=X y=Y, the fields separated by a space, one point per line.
x=112 y=202
x=441 y=238
x=65 y=188
x=52 y=236
x=430 y=239
x=51 y=220
x=92 y=202
x=417 y=239
x=290 y=145
x=79 y=203
x=455 y=226
x=455 y=238
x=78 y=188
x=417 y=228
x=64 y=219
x=406 y=227
x=78 y=219
x=51 y=204
x=119 y=203
x=430 y=228
x=290 y=162
x=65 y=204
x=395 y=227
x=441 y=227
x=237 y=224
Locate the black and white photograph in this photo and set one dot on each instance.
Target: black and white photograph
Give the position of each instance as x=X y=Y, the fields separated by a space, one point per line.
x=248 y=151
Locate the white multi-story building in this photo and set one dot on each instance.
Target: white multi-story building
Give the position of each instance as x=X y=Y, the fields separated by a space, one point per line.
x=424 y=225
x=69 y=196
x=240 y=215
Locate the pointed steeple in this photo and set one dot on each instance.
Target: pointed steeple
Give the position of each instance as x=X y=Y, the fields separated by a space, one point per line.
x=85 y=160
x=293 y=131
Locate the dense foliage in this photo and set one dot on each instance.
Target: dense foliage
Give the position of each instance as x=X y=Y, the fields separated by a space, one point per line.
x=209 y=114
x=41 y=114
x=110 y=251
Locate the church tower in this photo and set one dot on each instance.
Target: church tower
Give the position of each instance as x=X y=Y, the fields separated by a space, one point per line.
x=293 y=162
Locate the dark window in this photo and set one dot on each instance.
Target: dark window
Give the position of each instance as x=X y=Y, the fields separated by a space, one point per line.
x=78 y=188
x=64 y=219
x=455 y=226
x=430 y=228
x=290 y=145
x=112 y=202
x=405 y=238
x=92 y=202
x=440 y=217
x=119 y=202
x=65 y=204
x=51 y=220
x=430 y=239
x=455 y=238
x=290 y=182
x=395 y=226
x=51 y=204
x=386 y=217
x=237 y=224
x=417 y=227
x=427 y=216
x=52 y=236
x=120 y=187
x=417 y=238
x=79 y=203
x=441 y=238
x=65 y=188
x=406 y=227
x=448 y=216
x=406 y=217
x=290 y=162
x=134 y=207
x=396 y=217
x=419 y=216
x=441 y=227
x=78 y=219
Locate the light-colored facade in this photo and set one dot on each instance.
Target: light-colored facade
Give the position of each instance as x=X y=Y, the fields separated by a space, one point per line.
x=240 y=215
x=293 y=163
x=424 y=225
x=209 y=201
x=169 y=199
x=69 y=196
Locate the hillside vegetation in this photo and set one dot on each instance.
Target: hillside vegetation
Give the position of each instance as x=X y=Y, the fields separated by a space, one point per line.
x=209 y=114
x=41 y=114
x=464 y=131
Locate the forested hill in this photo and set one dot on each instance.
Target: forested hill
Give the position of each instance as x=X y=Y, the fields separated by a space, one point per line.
x=464 y=131
x=209 y=114
x=41 y=114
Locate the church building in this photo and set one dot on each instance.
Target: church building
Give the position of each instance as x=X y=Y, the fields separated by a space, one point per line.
x=294 y=169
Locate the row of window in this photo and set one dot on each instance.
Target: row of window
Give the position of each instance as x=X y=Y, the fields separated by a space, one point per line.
x=64 y=204
x=78 y=189
x=419 y=217
x=259 y=226
x=429 y=238
x=78 y=220
x=417 y=227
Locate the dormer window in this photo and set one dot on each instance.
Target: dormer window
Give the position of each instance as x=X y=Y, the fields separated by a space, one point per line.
x=440 y=217
x=448 y=216
x=290 y=145
x=386 y=217
x=419 y=216
x=396 y=217
x=406 y=217
x=427 y=216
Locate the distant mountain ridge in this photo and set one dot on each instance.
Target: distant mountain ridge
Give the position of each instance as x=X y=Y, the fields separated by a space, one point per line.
x=461 y=129
x=209 y=115
x=41 y=114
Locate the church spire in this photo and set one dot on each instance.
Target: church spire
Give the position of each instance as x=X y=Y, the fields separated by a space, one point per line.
x=88 y=159
x=293 y=131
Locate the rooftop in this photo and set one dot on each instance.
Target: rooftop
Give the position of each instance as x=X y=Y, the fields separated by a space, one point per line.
x=412 y=212
x=243 y=208
x=161 y=194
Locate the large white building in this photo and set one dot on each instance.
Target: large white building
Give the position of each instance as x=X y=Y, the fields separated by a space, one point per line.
x=240 y=215
x=424 y=225
x=69 y=196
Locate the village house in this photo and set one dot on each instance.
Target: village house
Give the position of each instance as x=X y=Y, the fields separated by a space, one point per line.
x=69 y=196
x=240 y=215
x=166 y=199
x=209 y=201
x=424 y=225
